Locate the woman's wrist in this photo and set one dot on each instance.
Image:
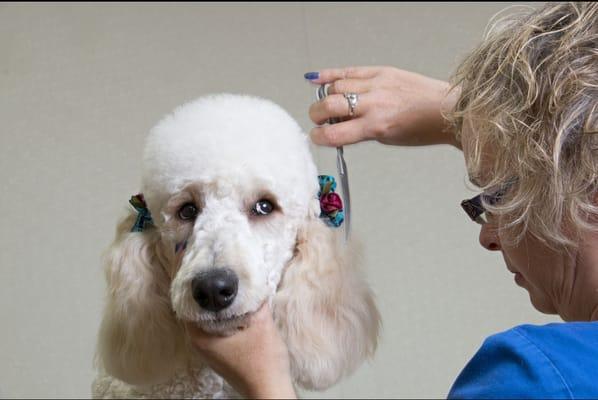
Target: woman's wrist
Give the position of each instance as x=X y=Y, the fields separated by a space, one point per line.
x=447 y=102
x=419 y=112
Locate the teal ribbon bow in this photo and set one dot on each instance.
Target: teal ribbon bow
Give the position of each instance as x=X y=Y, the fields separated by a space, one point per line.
x=144 y=216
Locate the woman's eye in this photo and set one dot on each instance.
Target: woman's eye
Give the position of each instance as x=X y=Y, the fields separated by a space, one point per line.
x=188 y=211
x=496 y=196
x=262 y=207
x=493 y=198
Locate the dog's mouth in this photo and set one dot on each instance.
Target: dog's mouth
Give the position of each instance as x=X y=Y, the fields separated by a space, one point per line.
x=221 y=325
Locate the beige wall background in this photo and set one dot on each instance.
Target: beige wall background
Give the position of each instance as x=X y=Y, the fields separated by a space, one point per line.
x=81 y=85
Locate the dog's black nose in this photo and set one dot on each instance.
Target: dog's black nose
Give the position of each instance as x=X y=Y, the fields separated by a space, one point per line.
x=216 y=289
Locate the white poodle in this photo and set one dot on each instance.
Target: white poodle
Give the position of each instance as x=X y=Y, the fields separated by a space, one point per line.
x=233 y=192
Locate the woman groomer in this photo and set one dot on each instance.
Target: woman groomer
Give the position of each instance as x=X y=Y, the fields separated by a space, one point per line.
x=525 y=114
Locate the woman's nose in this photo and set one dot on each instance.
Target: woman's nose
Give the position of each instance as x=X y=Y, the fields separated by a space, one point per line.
x=489 y=237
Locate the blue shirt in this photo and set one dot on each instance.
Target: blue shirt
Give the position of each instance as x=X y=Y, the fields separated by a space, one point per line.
x=558 y=360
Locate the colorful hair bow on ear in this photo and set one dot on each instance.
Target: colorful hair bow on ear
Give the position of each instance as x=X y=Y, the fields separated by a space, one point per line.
x=144 y=216
x=331 y=205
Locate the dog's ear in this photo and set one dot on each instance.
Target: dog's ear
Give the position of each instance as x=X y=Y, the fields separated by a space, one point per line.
x=325 y=309
x=140 y=341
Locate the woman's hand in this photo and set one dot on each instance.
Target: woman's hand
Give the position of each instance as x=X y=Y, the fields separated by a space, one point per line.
x=255 y=360
x=395 y=107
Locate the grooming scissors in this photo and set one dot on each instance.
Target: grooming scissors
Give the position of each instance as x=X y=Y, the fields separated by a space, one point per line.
x=341 y=166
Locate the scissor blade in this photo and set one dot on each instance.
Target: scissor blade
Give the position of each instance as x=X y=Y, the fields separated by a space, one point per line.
x=344 y=177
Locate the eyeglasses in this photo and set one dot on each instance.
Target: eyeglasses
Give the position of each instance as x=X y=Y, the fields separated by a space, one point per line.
x=474 y=207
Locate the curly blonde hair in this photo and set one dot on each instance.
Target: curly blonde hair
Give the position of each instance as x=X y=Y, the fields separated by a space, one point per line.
x=530 y=92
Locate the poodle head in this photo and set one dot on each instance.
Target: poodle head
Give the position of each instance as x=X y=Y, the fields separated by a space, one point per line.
x=232 y=190
x=228 y=180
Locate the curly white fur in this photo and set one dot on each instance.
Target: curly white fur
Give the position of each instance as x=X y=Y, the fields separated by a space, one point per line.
x=223 y=153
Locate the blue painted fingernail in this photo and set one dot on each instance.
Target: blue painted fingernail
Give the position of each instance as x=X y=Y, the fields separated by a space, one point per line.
x=312 y=75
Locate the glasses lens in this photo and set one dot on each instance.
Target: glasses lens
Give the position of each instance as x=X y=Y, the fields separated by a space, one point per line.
x=474 y=209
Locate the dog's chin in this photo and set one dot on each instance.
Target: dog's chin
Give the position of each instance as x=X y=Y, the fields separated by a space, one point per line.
x=224 y=326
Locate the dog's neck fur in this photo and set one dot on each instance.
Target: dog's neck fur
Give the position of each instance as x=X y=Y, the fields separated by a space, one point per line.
x=196 y=381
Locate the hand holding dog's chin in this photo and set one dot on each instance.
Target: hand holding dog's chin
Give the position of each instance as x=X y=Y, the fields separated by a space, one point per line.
x=254 y=360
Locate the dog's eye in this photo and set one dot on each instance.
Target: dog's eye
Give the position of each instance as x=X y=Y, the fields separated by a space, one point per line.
x=262 y=207
x=188 y=211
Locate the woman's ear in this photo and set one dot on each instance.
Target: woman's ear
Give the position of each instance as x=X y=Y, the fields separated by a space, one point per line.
x=140 y=341
x=325 y=309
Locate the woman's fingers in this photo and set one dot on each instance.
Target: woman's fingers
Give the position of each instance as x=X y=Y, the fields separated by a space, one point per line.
x=340 y=134
x=333 y=74
x=333 y=106
x=337 y=106
x=351 y=130
x=350 y=86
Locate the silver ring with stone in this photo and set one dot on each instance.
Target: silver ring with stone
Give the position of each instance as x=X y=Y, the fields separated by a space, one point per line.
x=352 y=99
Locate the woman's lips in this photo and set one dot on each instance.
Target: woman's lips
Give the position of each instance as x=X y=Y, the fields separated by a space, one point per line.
x=519 y=279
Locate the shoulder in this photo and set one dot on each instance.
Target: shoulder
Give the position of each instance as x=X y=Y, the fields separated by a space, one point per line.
x=557 y=360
